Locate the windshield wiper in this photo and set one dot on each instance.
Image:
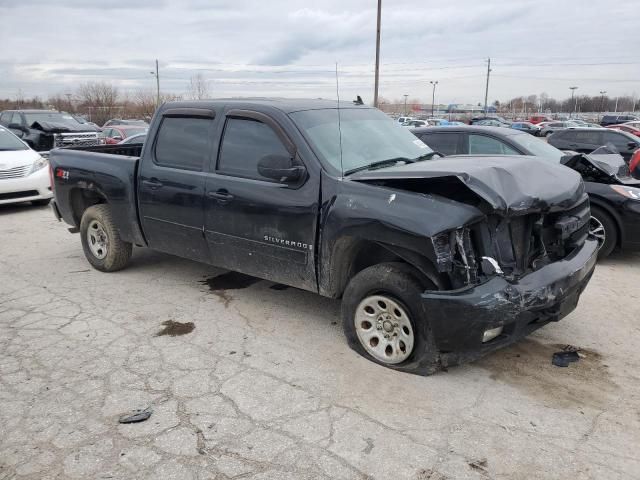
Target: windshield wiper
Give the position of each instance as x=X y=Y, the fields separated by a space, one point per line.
x=428 y=156
x=379 y=164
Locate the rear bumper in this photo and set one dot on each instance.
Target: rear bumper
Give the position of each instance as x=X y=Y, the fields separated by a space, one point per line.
x=36 y=186
x=458 y=319
x=630 y=218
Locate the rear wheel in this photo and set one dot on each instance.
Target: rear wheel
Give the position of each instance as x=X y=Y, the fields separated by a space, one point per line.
x=603 y=228
x=101 y=242
x=384 y=321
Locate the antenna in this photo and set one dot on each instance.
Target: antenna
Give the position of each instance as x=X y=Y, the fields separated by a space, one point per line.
x=339 y=123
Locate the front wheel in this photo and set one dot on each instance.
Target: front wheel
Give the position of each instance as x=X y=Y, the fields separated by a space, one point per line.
x=101 y=242
x=603 y=228
x=384 y=321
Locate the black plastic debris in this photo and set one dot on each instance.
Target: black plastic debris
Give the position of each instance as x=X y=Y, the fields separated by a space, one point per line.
x=564 y=358
x=136 y=416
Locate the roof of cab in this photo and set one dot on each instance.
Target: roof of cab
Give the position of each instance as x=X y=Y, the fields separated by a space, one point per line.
x=287 y=105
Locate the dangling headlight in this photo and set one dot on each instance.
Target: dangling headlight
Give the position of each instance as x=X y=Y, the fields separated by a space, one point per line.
x=39 y=164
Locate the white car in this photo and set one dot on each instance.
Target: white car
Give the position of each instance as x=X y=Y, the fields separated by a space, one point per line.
x=24 y=176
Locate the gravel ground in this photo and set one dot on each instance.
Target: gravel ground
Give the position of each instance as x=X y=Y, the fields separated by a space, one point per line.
x=258 y=382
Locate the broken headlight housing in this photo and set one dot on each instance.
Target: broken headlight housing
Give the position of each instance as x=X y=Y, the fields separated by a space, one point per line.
x=455 y=254
x=39 y=164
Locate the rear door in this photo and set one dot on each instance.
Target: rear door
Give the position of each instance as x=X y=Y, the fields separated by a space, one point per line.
x=480 y=144
x=172 y=180
x=253 y=224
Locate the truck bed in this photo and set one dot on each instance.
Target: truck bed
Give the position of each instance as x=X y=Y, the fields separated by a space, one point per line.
x=127 y=149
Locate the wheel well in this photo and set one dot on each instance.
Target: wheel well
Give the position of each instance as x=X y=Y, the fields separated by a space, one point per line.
x=353 y=256
x=81 y=199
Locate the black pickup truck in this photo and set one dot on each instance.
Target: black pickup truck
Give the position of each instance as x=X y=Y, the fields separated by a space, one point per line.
x=436 y=262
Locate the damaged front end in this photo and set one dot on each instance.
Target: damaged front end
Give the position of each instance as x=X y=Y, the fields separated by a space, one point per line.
x=524 y=264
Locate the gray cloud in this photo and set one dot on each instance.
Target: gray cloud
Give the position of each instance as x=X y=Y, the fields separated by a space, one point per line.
x=280 y=47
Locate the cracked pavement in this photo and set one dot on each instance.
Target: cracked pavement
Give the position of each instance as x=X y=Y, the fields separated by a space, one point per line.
x=265 y=387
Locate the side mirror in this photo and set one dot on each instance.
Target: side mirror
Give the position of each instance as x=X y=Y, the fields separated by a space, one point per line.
x=632 y=145
x=117 y=137
x=280 y=168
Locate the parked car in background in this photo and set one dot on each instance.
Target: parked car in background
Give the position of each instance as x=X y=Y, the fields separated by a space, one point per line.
x=436 y=262
x=613 y=193
x=493 y=118
x=617 y=119
x=138 y=138
x=527 y=127
x=23 y=173
x=632 y=124
x=114 y=135
x=536 y=119
x=415 y=123
x=491 y=122
x=404 y=119
x=586 y=140
x=119 y=121
x=633 y=130
x=43 y=130
x=552 y=127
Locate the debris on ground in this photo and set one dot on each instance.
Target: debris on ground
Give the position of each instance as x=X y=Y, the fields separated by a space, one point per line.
x=564 y=358
x=174 y=329
x=136 y=416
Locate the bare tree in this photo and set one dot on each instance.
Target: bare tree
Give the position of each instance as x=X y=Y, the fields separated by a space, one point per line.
x=198 y=88
x=101 y=99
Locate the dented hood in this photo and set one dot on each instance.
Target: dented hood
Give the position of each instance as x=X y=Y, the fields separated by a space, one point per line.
x=509 y=184
x=55 y=127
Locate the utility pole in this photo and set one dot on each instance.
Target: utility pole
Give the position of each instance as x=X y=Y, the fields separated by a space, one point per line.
x=433 y=95
x=68 y=95
x=405 y=104
x=375 y=91
x=616 y=109
x=573 y=90
x=157 y=75
x=486 y=91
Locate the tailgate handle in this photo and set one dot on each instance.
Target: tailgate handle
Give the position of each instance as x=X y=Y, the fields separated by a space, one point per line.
x=153 y=183
x=221 y=195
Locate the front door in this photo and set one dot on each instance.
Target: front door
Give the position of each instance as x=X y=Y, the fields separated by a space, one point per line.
x=172 y=181
x=253 y=224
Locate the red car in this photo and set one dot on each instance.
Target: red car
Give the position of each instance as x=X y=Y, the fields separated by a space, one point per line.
x=536 y=119
x=117 y=133
x=626 y=128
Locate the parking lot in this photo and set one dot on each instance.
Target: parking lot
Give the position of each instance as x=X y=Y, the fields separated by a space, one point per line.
x=251 y=381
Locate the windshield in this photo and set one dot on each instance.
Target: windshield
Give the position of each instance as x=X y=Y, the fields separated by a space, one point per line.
x=53 y=117
x=536 y=147
x=8 y=141
x=368 y=136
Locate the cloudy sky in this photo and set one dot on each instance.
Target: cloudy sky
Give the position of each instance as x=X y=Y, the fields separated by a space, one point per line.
x=289 y=48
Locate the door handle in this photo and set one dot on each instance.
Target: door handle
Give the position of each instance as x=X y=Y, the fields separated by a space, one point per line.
x=153 y=183
x=221 y=195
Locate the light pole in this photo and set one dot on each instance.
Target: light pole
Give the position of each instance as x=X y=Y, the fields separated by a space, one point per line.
x=405 y=104
x=486 y=91
x=157 y=75
x=433 y=95
x=602 y=94
x=573 y=90
x=377 y=79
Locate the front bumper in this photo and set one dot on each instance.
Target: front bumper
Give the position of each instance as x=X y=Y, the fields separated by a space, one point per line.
x=630 y=219
x=36 y=186
x=459 y=318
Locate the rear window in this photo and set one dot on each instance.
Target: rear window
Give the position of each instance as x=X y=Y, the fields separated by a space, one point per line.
x=183 y=143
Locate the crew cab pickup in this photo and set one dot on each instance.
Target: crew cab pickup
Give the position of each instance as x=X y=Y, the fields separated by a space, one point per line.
x=436 y=262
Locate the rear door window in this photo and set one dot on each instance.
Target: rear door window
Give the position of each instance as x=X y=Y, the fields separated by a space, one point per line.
x=484 y=145
x=183 y=142
x=591 y=138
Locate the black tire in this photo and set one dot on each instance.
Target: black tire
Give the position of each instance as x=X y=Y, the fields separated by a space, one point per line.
x=403 y=285
x=117 y=252
x=41 y=203
x=610 y=231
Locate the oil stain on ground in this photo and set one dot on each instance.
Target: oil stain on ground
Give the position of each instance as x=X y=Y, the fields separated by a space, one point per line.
x=527 y=367
x=174 y=329
x=229 y=281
